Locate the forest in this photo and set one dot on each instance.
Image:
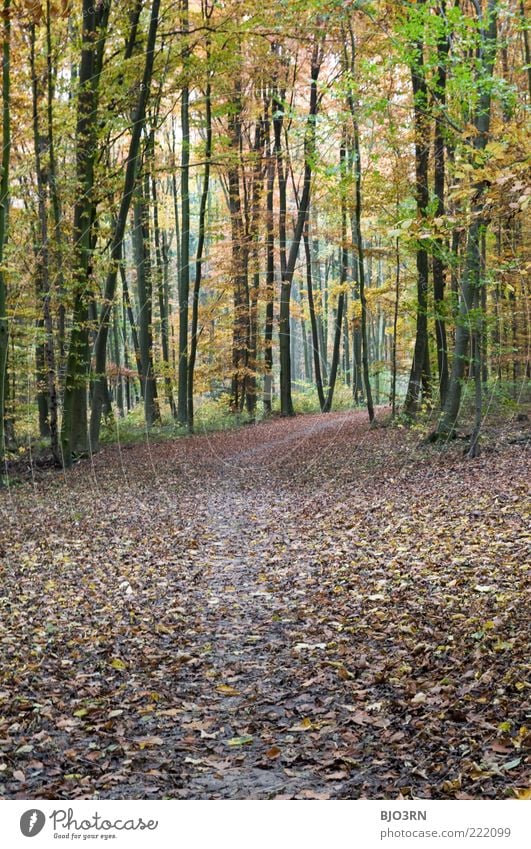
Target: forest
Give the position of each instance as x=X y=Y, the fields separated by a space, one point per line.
x=264 y=398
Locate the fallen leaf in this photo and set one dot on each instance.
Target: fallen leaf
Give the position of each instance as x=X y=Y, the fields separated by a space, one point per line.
x=240 y=741
x=227 y=690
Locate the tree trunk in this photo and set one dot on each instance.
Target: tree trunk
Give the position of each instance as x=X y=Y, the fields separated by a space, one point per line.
x=184 y=271
x=118 y=363
x=240 y=259
x=200 y=248
x=4 y=208
x=132 y=323
x=395 y=328
x=358 y=240
x=342 y=279
x=361 y=345
x=144 y=283
x=55 y=203
x=45 y=353
x=270 y=280
x=471 y=279
x=286 y=403
x=119 y=227
x=74 y=435
x=420 y=354
x=163 y=305
x=438 y=266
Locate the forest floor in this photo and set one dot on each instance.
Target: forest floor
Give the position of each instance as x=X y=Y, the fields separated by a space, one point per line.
x=302 y=609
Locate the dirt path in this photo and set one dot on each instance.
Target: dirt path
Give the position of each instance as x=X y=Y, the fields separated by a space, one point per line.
x=301 y=609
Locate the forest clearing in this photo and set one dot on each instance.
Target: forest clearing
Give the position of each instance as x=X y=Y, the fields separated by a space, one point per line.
x=303 y=609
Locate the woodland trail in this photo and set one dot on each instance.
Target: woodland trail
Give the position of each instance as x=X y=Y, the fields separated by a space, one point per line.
x=300 y=609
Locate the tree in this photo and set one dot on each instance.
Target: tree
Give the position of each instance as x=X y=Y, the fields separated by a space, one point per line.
x=130 y=180
x=74 y=433
x=4 y=209
x=472 y=272
x=286 y=402
x=420 y=369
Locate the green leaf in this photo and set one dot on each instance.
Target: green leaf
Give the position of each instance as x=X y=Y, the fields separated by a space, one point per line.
x=240 y=741
x=512 y=764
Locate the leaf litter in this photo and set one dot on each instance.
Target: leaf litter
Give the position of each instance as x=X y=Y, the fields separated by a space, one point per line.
x=302 y=609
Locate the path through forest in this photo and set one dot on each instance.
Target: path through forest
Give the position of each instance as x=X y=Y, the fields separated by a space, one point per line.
x=300 y=609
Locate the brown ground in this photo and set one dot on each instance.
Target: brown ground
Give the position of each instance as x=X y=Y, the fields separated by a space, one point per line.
x=300 y=609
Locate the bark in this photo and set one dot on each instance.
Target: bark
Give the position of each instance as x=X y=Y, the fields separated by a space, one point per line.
x=161 y=269
x=527 y=51
x=286 y=403
x=118 y=362
x=270 y=280
x=361 y=342
x=438 y=267
x=144 y=284
x=346 y=346
x=395 y=327
x=240 y=259
x=132 y=323
x=342 y=281
x=471 y=278
x=258 y=174
x=420 y=364
x=4 y=205
x=55 y=200
x=306 y=345
x=45 y=351
x=184 y=270
x=74 y=435
x=200 y=250
x=130 y=178
x=358 y=241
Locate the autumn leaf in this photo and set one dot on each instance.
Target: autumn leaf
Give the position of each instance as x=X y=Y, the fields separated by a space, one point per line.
x=240 y=741
x=227 y=690
x=304 y=725
x=117 y=663
x=273 y=752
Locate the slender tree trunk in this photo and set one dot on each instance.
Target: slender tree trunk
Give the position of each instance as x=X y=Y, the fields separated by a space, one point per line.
x=118 y=362
x=346 y=346
x=286 y=403
x=163 y=307
x=4 y=207
x=200 y=249
x=119 y=226
x=477 y=334
x=144 y=282
x=46 y=354
x=132 y=323
x=55 y=202
x=240 y=259
x=471 y=279
x=438 y=267
x=270 y=280
x=342 y=279
x=527 y=51
x=184 y=273
x=420 y=366
x=258 y=174
x=395 y=328
x=358 y=240
x=313 y=320
x=357 y=237
x=306 y=345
